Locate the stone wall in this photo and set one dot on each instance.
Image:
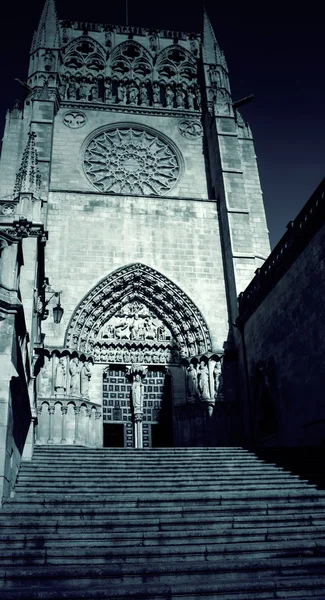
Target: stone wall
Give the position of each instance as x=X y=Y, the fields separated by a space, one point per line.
x=281 y=319
x=91 y=234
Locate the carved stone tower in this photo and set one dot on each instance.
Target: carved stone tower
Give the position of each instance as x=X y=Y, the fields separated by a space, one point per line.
x=143 y=175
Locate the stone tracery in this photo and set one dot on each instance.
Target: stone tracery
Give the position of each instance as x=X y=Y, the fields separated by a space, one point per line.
x=130 y=74
x=84 y=65
x=130 y=160
x=170 y=326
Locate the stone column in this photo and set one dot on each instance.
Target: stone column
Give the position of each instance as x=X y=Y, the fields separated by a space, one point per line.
x=88 y=415
x=76 y=430
x=51 y=413
x=98 y=428
x=64 y=410
x=38 y=427
x=138 y=438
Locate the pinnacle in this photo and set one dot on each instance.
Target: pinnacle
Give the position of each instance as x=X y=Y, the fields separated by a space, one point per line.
x=28 y=177
x=47 y=31
x=212 y=52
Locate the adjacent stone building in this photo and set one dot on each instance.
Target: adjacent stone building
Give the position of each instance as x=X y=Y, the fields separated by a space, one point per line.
x=130 y=194
x=280 y=337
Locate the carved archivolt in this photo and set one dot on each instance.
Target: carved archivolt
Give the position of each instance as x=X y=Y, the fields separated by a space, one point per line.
x=131 y=160
x=137 y=315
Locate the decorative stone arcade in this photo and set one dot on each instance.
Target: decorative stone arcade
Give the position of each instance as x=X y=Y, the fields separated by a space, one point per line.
x=137 y=369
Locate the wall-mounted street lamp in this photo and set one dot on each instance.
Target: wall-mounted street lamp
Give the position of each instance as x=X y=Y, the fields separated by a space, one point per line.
x=43 y=303
x=57 y=310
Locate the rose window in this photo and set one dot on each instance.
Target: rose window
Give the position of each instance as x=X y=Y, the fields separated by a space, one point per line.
x=131 y=161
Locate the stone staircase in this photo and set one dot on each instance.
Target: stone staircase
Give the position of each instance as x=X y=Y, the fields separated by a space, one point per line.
x=161 y=524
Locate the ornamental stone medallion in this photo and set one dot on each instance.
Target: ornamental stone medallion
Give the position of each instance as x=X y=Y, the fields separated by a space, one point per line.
x=131 y=160
x=74 y=120
x=189 y=128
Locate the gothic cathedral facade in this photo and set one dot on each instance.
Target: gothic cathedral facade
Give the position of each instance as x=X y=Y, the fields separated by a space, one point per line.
x=130 y=198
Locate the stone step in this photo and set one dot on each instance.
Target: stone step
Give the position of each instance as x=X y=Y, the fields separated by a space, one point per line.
x=102 y=554
x=99 y=509
x=105 y=466
x=240 y=590
x=55 y=487
x=48 y=524
x=182 y=524
x=137 y=498
x=168 y=538
x=162 y=573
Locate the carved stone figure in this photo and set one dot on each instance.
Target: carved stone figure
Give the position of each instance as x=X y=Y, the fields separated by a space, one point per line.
x=203 y=381
x=111 y=355
x=94 y=92
x=191 y=381
x=119 y=356
x=162 y=356
x=218 y=380
x=194 y=46
x=85 y=375
x=74 y=370
x=97 y=353
x=169 y=96
x=104 y=354
x=147 y=356
x=126 y=356
x=190 y=99
x=144 y=100
x=137 y=394
x=156 y=92
x=108 y=39
x=60 y=376
x=140 y=356
x=198 y=97
x=108 y=90
x=153 y=42
x=72 y=89
x=62 y=90
x=133 y=93
x=84 y=89
x=155 y=356
x=45 y=378
x=180 y=97
x=121 y=93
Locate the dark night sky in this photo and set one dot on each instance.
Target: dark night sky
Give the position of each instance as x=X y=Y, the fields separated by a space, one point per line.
x=275 y=51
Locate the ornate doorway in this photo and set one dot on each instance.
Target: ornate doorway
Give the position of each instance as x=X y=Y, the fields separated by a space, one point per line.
x=138 y=328
x=119 y=417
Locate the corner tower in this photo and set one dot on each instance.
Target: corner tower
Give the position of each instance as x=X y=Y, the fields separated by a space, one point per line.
x=155 y=220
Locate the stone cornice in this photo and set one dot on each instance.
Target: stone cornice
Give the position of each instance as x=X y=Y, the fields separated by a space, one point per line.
x=136 y=110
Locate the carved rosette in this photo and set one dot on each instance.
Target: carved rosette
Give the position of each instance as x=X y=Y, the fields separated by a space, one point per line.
x=137 y=315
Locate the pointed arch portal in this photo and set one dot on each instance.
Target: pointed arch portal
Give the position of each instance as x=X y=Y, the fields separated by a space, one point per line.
x=137 y=315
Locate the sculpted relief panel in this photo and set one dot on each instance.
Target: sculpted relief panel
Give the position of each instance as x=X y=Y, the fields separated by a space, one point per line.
x=135 y=322
x=130 y=160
